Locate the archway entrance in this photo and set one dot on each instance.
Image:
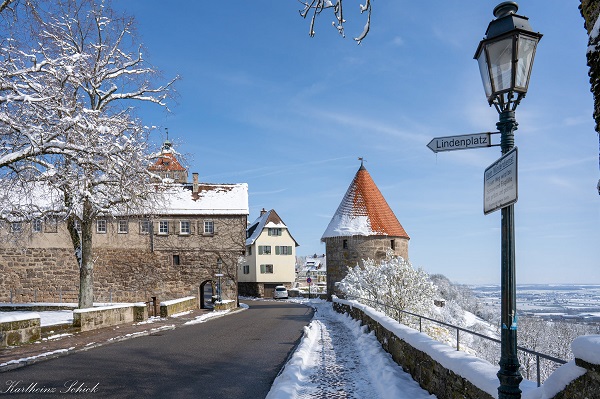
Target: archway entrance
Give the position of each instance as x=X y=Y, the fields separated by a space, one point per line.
x=207 y=291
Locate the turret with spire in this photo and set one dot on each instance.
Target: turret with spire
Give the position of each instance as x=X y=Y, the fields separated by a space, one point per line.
x=363 y=227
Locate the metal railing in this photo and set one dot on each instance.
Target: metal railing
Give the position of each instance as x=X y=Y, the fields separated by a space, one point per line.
x=458 y=329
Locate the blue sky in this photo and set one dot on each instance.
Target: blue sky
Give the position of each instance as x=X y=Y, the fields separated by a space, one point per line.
x=263 y=103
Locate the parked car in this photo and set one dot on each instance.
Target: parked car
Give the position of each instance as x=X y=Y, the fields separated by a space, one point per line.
x=280 y=292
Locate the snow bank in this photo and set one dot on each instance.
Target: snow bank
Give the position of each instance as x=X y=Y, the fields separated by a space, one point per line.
x=587 y=348
x=19 y=317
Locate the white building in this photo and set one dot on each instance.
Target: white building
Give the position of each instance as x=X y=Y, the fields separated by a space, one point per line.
x=270 y=256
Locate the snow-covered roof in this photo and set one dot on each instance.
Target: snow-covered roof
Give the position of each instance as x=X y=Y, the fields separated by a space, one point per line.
x=212 y=199
x=314 y=264
x=364 y=212
x=267 y=219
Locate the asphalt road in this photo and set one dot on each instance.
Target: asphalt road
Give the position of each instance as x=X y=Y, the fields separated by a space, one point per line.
x=235 y=357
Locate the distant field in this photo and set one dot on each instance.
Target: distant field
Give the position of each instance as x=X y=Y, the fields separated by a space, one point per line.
x=550 y=301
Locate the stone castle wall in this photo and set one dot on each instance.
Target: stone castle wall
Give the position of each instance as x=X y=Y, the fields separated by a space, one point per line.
x=344 y=252
x=125 y=273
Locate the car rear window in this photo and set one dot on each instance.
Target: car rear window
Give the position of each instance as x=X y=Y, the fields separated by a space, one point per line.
x=280 y=289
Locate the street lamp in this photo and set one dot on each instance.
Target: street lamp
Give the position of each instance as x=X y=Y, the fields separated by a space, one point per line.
x=219 y=275
x=505 y=58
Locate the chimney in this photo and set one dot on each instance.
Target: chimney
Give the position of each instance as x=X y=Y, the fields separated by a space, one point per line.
x=263 y=211
x=194 y=183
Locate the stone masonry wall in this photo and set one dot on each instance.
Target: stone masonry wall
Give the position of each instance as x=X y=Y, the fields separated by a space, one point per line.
x=357 y=249
x=430 y=375
x=166 y=267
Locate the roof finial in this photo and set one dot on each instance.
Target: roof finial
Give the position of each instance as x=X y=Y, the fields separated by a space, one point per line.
x=362 y=161
x=167 y=131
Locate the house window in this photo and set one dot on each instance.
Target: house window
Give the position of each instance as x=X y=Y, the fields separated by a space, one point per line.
x=266 y=269
x=37 y=225
x=176 y=175
x=249 y=250
x=176 y=260
x=101 y=226
x=246 y=269
x=163 y=227
x=144 y=226
x=345 y=244
x=209 y=227
x=264 y=250
x=51 y=225
x=184 y=227
x=16 y=227
x=283 y=250
x=123 y=227
x=274 y=231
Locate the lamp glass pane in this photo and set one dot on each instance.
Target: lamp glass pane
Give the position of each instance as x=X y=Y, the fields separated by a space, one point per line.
x=485 y=74
x=500 y=54
x=526 y=50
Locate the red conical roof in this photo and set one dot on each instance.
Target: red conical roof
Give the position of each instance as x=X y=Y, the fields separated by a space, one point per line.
x=364 y=211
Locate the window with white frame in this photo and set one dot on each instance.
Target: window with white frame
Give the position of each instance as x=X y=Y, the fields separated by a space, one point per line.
x=163 y=227
x=274 y=231
x=266 y=269
x=185 y=227
x=264 y=250
x=246 y=269
x=123 y=226
x=209 y=227
x=144 y=226
x=16 y=227
x=36 y=225
x=283 y=250
x=101 y=226
x=51 y=225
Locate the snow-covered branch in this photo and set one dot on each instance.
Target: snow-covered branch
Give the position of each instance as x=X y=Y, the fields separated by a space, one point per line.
x=315 y=7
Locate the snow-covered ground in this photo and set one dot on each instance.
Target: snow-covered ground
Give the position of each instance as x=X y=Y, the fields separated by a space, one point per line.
x=337 y=359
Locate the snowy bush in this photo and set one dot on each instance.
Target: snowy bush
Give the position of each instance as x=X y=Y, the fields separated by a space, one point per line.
x=394 y=283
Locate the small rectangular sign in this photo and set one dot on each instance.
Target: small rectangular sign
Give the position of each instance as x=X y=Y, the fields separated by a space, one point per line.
x=463 y=142
x=500 y=188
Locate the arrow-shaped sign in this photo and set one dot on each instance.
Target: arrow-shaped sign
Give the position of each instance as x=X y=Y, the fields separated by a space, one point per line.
x=463 y=142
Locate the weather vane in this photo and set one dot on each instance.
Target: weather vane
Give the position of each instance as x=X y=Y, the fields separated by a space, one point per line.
x=362 y=160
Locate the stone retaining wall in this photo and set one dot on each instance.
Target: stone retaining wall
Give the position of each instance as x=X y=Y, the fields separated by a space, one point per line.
x=16 y=330
x=430 y=374
x=175 y=306
x=106 y=316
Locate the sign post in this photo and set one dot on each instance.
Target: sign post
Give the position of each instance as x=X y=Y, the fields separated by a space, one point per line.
x=462 y=142
x=500 y=188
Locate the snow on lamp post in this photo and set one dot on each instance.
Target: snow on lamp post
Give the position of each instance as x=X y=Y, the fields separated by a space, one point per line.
x=505 y=58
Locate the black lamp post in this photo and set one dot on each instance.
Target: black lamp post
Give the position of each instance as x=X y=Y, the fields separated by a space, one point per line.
x=219 y=275
x=505 y=59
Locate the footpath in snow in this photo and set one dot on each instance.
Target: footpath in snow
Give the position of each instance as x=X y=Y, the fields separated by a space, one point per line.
x=336 y=359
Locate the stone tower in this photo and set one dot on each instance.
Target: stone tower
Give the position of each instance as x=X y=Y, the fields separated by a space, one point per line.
x=364 y=226
x=167 y=166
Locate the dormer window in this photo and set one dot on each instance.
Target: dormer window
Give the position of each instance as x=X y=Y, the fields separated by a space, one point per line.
x=275 y=231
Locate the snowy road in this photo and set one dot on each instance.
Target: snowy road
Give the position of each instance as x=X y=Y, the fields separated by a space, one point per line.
x=336 y=360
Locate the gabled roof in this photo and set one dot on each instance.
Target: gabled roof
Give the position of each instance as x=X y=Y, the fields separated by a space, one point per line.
x=211 y=199
x=267 y=219
x=364 y=212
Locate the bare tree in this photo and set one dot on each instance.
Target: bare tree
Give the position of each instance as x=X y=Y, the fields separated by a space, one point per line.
x=66 y=118
x=315 y=7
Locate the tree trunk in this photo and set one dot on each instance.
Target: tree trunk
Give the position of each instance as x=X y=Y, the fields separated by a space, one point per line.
x=86 y=268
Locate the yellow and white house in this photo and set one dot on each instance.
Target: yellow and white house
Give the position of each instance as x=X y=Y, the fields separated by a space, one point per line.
x=270 y=256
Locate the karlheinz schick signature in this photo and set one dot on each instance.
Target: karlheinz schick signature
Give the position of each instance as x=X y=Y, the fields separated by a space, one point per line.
x=71 y=386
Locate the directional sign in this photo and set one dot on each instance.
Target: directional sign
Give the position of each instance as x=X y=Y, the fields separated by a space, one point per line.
x=500 y=186
x=463 y=142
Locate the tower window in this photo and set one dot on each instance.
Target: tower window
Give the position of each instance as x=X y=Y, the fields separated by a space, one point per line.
x=393 y=244
x=345 y=244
